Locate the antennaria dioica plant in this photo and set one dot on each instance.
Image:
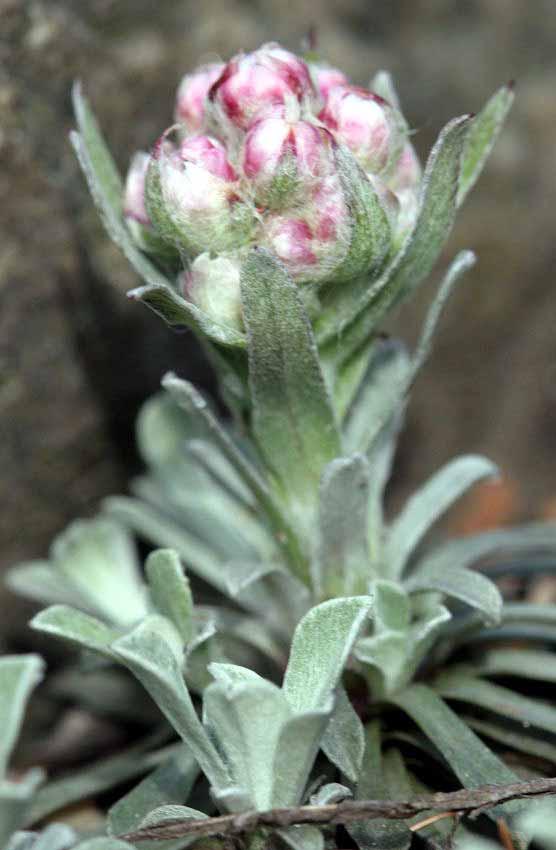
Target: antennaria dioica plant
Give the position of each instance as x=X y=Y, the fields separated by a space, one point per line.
x=333 y=653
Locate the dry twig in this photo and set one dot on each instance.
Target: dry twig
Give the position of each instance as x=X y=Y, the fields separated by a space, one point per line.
x=466 y=800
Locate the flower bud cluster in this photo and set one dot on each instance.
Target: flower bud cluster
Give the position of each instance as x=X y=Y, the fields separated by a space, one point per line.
x=253 y=160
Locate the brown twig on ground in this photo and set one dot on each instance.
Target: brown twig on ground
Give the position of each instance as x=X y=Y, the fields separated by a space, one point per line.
x=466 y=800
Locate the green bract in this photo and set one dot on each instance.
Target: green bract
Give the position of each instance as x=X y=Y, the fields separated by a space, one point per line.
x=332 y=650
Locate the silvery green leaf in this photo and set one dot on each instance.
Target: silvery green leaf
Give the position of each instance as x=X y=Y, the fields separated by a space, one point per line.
x=340 y=564
x=100 y=776
x=170 y=591
x=468 y=586
x=15 y=801
x=385 y=657
x=271 y=590
x=482 y=137
x=187 y=397
x=343 y=742
x=37 y=580
x=297 y=748
x=302 y=837
x=320 y=647
x=538 y=823
x=169 y=813
x=330 y=793
x=106 y=188
x=459 y=685
x=391 y=606
x=248 y=630
x=523 y=663
x=467 y=551
x=428 y=504
x=170 y=783
x=388 y=370
x=293 y=420
x=377 y=833
x=219 y=470
x=514 y=737
x=81 y=629
x=393 y=402
x=370 y=236
x=153 y=525
x=472 y=762
x=358 y=313
x=56 y=836
x=245 y=718
x=153 y=653
x=97 y=558
x=19 y=675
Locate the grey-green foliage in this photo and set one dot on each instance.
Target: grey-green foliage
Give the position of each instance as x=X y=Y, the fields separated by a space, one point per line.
x=281 y=513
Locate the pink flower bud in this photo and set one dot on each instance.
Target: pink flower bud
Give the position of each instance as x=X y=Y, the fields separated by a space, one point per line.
x=367 y=124
x=326 y=78
x=313 y=243
x=208 y=153
x=134 y=192
x=213 y=285
x=253 y=85
x=192 y=197
x=192 y=94
x=284 y=160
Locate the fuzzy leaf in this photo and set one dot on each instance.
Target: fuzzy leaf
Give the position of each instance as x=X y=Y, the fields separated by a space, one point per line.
x=293 y=419
x=523 y=663
x=469 y=587
x=344 y=739
x=296 y=751
x=470 y=689
x=56 y=836
x=76 y=627
x=388 y=371
x=482 y=137
x=170 y=590
x=37 y=580
x=152 y=652
x=472 y=762
x=302 y=837
x=428 y=504
x=98 y=558
x=514 y=737
x=104 y=844
x=357 y=315
x=341 y=563
x=370 y=236
x=19 y=675
x=330 y=793
x=187 y=397
x=106 y=188
x=170 y=783
x=320 y=647
x=15 y=800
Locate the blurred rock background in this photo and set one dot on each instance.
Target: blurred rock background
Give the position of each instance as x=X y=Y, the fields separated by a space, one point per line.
x=76 y=359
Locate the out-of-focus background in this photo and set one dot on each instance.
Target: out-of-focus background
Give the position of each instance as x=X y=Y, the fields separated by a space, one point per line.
x=76 y=359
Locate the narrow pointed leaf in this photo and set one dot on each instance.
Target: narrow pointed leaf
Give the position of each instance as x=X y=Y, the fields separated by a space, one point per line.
x=37 y=580
x=514 y=737
x=19 y=675
x=495 y=698
x=320 y=648
x=195 y=405
x=341 y=564
x=302 y=837
x=473 y=763
x=428 y=505
x=522 y=663
x=297 y=748
x=482 y=137
x=363 y=311
x=293 y=419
